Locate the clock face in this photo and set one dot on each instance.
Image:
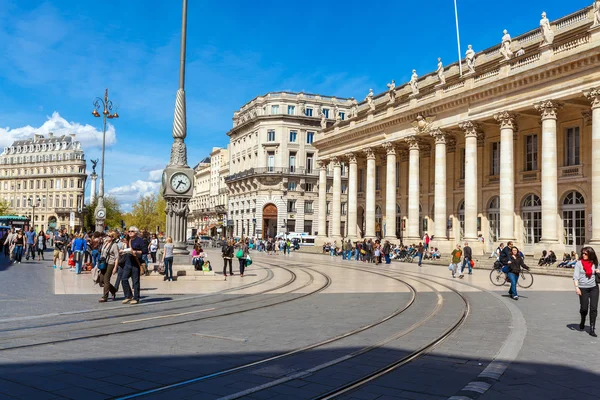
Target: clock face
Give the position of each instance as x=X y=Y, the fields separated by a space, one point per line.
x=180 y=183
x=101 y=214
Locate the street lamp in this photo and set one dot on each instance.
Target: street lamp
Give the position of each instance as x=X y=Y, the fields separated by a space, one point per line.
x=106 y=106
x=33 y=203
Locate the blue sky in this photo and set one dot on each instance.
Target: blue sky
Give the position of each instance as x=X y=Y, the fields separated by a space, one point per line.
x=56 y=56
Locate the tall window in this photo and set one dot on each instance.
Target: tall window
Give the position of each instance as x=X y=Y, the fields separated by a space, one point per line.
x=531 y=216
x=308 y=207
x=342 y=115
x=572 y=146
x=292 y=161
x=310 y=137
x=361 y=180
x=270 y=161
x=270 y=136
x=310 y=187
x=378 y=178
x=343 y=208
x=291 y=110
x=293 y=136
x=397 y=174
x=309 y=163
x=291 y=206
x=308 y=111
x=462 y=164
x=495 y=159
x=274 y=109
x=531 y=152
x=326 y=112
x=292 y=186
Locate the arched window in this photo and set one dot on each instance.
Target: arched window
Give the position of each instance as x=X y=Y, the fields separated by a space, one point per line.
x=531 y=214
x=493 y=213
x=461 y=218
x=573 y=213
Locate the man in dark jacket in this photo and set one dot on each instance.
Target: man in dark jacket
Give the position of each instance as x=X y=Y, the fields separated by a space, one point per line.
x=386 y=251
x=467 y=257
x=505 y=256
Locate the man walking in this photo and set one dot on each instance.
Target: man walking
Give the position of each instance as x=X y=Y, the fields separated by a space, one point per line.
x=349 y=250
x=468 y=256
x=30 y=245
x=386 y=252
x=420 y=250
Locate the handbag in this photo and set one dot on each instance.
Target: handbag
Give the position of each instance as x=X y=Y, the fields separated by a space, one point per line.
x=597 y=278
x=239 y=253
x=161 y=268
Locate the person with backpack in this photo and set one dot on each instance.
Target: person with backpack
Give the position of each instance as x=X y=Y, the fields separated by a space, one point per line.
x=242 y=254
x=109 y=259
x=456 y=255
x=227 y=252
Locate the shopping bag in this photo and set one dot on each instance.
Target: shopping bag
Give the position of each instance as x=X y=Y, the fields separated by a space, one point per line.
x=239 y=253
x=451 y=267
x=248 y=261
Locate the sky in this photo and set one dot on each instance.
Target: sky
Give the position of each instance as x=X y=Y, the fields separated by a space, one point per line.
x=57 y=56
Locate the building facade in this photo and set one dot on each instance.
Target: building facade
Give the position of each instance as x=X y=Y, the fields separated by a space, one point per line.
x=273 y=173
x=48 y=172
x=208 y=207
x=508 y=150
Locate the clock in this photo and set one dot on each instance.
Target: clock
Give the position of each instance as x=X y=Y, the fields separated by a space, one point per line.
x=101 y=213
x=180 y=183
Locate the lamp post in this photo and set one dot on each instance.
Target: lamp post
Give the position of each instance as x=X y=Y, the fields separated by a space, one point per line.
x=106 y=106
x=33 y=203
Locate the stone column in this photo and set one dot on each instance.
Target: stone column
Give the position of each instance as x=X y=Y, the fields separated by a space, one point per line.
x=440 y=194
x=322 y=222
x=508 y=126
x=594 y=96
x=370 y=195
x=471 y=186
x=390 y=192
x=93 y=192
x=352 y=196
x=548 y=110
x=412 y=229
x=336 y=204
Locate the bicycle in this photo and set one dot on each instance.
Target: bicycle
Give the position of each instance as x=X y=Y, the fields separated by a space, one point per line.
x=499 y=278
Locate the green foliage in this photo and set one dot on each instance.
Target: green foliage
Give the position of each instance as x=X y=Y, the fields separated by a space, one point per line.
x=4 y=207
x=148 y=213
x=113 y=214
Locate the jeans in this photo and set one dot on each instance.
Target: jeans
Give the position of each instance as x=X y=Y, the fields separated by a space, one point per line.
x=119 y=278
x=343 y=254
x=331 y=251
x=169 y=267
x=242 y=265
x=133 y=272
x=78 y=263
x=420 y=258
x=589 y=296
x=108 y=287
x=466 y=261
x=18 y=253
x=95 y=257
x=387 y=259
x=31 y=251
x=513 y=278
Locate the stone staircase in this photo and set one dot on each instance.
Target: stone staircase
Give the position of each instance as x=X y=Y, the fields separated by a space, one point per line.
x=183 y=273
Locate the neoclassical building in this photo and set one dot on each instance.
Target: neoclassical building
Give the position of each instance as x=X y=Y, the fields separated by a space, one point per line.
x=49 y=169
x=208 y=206
x=507 y=150
x=273 y=175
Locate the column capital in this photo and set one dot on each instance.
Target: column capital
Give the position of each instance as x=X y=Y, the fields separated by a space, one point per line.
x=351 y=158
x=390 y=148
x=439 y=135
x=369 y=153
x=507 y=120
x=336 y=162
x=323 y=163
x=593 y=95
x=470 y=128
x=587 y=117
x=548 y=108
x=413 y=142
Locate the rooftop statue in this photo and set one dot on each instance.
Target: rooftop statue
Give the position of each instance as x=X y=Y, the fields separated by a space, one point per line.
x=470 y=57
x=392 y=91
x=505 y=47
x=369 y=100
x=440 y=72
x=414 y=82
x=547 y=32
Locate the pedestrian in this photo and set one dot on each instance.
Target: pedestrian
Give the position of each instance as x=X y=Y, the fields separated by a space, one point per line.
x=426 y=240
x=467 y=260
x=377 y=252
x=386 y=251
x=109 y=257
x=586 y=287
x=168 y=258
x=153 y=248
x=78 y=247
x=133 y=259
x=40 y=245
x=227 y=253
x=19 y=242
x=30 y=249
x=420 y=251
x=59 y=253
x=9 y=244
x=243 y=246
x=514 y=270
x=95 y=246
x=456 y=255
x=344 y=248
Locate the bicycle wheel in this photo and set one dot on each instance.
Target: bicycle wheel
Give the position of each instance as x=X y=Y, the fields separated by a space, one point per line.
x=525 y=280
x=497 y=277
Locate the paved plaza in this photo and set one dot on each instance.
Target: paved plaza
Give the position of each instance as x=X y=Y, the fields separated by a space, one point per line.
x=230 y=339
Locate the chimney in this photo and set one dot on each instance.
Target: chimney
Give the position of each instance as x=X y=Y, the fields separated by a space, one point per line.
x=50 y=134
x=37 y=137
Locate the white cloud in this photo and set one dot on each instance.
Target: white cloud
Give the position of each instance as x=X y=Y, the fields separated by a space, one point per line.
x=89 y=136
x=132 y=192
x=155 y=175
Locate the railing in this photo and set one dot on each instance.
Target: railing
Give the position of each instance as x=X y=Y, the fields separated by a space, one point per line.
x=270 y=171
x=487 y=75
x=455 y=86
x=292 y=210
x=572 y=19
x=311 y=211
x=571 y=171
x=522 y=62
x=571 y=44
x=529 y=176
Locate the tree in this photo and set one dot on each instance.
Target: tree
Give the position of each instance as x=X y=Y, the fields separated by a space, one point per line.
x=4 y=207
x=148 y=213
x=114 y=216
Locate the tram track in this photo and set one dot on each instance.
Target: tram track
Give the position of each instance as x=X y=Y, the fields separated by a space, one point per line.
x=180 y=322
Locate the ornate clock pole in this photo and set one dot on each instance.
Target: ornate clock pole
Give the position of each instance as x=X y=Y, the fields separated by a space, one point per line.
x=178 y=177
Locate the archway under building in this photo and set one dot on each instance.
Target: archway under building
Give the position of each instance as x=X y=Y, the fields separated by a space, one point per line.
x=52 y=223
x=269 y=224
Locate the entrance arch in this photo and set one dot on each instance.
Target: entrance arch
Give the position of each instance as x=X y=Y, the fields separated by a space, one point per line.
x=269 y=221
x=531 y=214
x=573 y=213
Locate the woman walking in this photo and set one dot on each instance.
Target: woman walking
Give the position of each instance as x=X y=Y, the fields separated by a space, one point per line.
x=243 y=246
x=19 y=241
x=584 y=278
x=79 y=246
x=514 y=270
x=109 y=256
x=40 y=245
x=168 y=259
x=227 y=252
x=153 y=247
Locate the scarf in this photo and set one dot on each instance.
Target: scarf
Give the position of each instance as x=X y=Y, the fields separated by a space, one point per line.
x=587 y=267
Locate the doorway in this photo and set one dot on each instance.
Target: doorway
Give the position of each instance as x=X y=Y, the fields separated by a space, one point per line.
x=573 y=213
x=269 y=221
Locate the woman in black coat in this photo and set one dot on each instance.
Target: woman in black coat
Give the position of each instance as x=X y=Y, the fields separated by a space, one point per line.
x=514 y=270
